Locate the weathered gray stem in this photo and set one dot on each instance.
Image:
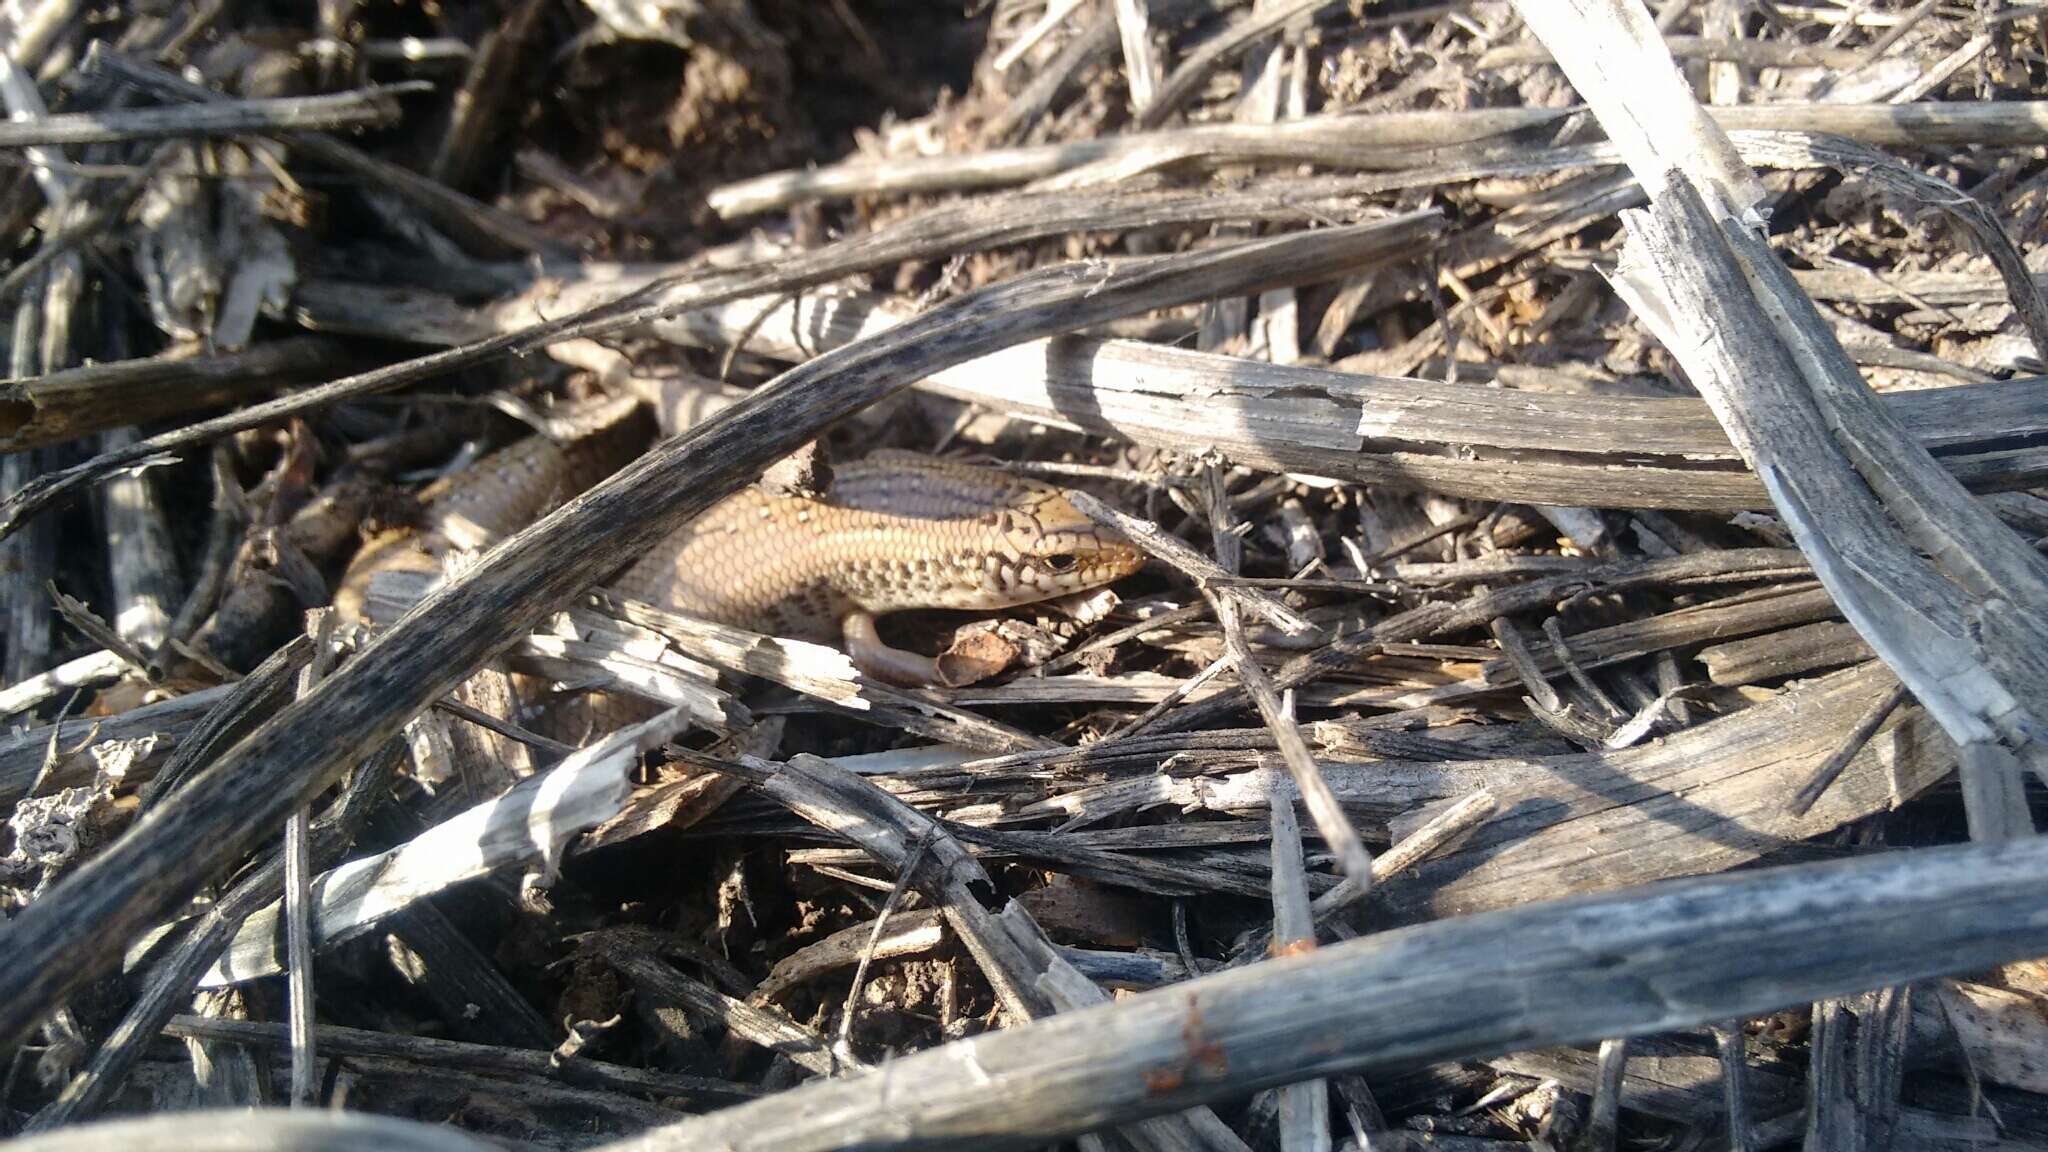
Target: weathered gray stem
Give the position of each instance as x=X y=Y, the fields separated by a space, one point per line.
x=1636 y=962
x=367 y=108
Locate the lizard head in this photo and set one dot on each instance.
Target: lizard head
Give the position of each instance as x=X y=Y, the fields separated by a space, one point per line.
x=1055 y=550
x=985 y=539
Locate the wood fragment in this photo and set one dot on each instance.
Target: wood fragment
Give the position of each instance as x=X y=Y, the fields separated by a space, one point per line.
x=483 y=1058
x=1438 y=618
x=491 y=229
x=527 y=827
x=227 y=1130
x=298 y=905
x=1141 y=64
x=1220 y=49
x=364 y=108
x=1558 y=449
x=1370 y=142
x=172 y=980
x=1729 y=1043
x=766 y=1027
x=1859 y=1046
x=1342 y=1007
x=1831 y=769
x=1715 y=780
x=1600 y=1124
x=1822 y=443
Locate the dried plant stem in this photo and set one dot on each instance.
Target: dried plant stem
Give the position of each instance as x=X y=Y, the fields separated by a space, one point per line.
x=1626 y=964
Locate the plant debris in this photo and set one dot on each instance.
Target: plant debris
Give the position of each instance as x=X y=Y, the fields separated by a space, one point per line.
x=1584 y=684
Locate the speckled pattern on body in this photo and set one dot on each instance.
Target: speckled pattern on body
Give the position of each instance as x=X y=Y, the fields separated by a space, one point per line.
x=896 y=531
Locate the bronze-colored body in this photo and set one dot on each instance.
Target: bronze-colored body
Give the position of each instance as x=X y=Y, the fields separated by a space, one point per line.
x=895 y=532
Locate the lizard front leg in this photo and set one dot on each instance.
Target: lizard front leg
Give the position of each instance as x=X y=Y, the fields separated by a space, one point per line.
x=874 y=658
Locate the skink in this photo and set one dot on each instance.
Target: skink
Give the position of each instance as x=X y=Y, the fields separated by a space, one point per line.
x=894 y=532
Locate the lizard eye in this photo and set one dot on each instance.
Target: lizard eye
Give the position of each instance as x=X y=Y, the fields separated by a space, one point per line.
x=1060 y=561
